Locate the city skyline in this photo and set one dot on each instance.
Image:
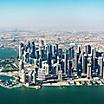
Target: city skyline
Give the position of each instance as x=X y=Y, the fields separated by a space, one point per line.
x=68 y=15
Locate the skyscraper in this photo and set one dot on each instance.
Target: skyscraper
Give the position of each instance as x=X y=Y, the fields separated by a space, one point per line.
x=84 y=63
x=89 y=76
x=33 y=50
x=69 y=53
x=34 y=76
x=65 y=62
x=87 y=49
x=37 y=54
x=100 y=66
x=69 y=68
x=21 y=50
x=72 y=52
x=49 y=62
x=42 y=53
x=40 y=63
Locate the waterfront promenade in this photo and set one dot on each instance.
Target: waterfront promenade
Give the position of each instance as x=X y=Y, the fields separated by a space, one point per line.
x=63 y=83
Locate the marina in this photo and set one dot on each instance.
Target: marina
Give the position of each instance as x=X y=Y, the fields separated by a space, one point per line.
x=9 y=82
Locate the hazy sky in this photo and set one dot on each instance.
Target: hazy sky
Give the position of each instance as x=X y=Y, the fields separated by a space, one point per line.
x=54 y=14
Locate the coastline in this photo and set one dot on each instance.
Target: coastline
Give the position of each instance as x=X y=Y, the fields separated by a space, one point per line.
x=67 y=83
x=48 y=85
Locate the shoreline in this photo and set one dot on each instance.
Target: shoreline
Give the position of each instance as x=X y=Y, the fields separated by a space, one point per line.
x=67 y=83
x=43 y=86
x=58 y=84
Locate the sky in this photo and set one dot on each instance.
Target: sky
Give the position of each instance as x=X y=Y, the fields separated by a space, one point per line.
x=70 y=15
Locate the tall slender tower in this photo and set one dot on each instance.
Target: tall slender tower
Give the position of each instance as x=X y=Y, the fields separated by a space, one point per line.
x=89 y=76
x=34 y=76
x=66 y=62
x=33 y=50
x=100 y=66
x=84 y=63
x=21 y=71
x=21 y=50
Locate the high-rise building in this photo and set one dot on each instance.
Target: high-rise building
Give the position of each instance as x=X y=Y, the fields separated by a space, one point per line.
x=84 y=63
x=72 y=52
x=69 y=68
x=21 y=65
x=40 y=63
x=41 y=74
x=60 y=75
x=62 y=65
x=42 y=53
x=56 y=49
x=65 y=62
x=69 y=53
x=100 y=66
x=34 y=76
x=22 y=71
x=49 y=62
x=87 y=49
x=79 y=49
x=89 y=76
x=37 y=54
x=21 y=50
x=33 y=50
x=60 y=52
x=76 y=61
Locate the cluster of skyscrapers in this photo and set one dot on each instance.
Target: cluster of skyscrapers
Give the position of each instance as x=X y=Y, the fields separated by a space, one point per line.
x=45 y=62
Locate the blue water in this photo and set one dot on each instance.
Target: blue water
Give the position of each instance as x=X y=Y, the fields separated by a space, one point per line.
x=3 y=77
x=53 y=95
x=6 y=53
